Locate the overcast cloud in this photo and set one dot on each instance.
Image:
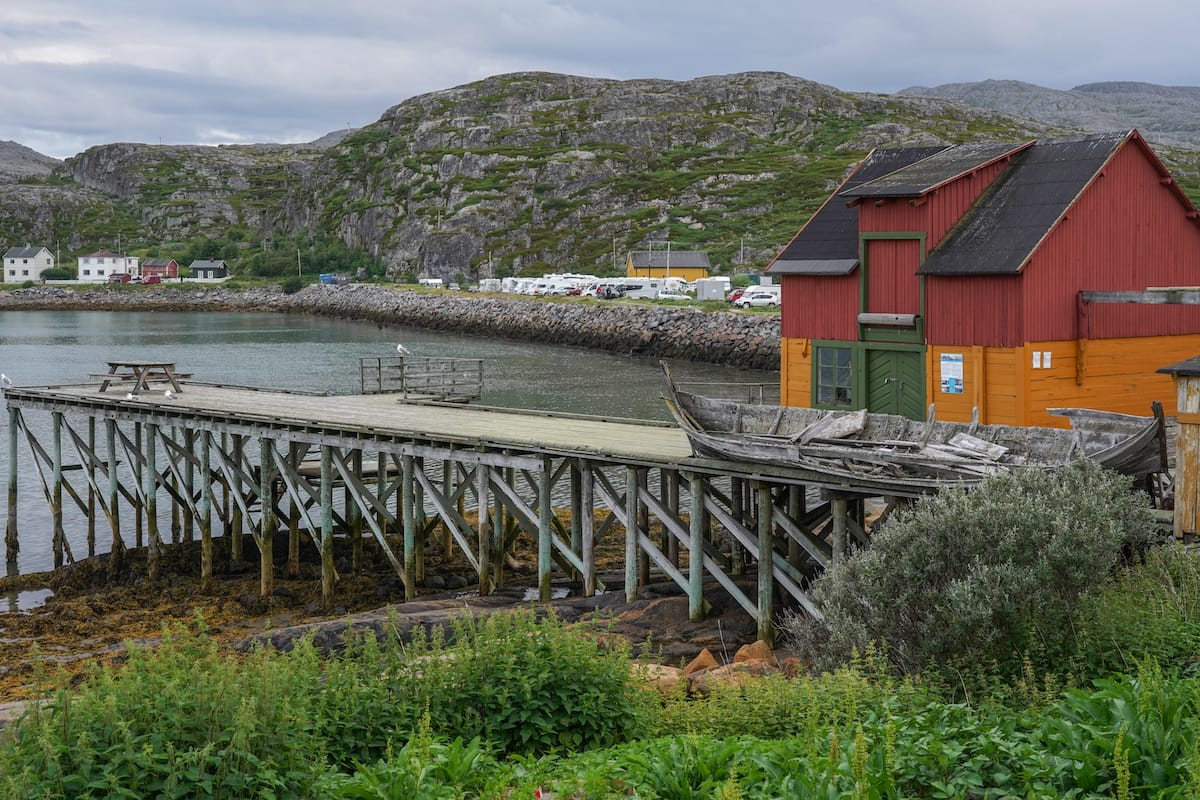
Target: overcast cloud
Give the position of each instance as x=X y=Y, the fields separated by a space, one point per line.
x=77 y=73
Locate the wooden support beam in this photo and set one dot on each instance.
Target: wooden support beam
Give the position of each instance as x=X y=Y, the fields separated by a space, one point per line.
x=12 y=542
x=631 y=534
x=117 y=549
x=90 y=472
x=587 y=485
x=238 y=513
x=545 y=541
x=150 y=493
x=267 y=521
x=409 y=526
x=766 y=564
x=486 y=550
x=327 y=571
x=696 y=549
x=206 y=505
x=56 y=488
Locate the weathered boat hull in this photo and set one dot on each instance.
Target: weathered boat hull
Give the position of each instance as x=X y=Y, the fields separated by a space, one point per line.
x=911 y=455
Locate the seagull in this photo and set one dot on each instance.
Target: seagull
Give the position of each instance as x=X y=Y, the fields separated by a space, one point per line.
x=5 y=381
x=169 y=394
x=129 y=396
x=401 y=349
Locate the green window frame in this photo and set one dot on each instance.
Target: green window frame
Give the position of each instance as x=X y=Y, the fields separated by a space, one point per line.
x=835 y=377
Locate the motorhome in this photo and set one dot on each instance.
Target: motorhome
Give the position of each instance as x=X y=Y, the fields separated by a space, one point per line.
x=643 y=288
x=431 y=283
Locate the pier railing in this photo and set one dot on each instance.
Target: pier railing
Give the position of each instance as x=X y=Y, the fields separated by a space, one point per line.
x=425 y=377
x=759 y=393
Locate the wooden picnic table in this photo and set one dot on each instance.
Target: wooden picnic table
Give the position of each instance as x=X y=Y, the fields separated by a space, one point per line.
x=140 y=373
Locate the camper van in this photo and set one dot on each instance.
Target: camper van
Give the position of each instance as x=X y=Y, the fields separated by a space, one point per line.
x=430 y=283
x=643 y=288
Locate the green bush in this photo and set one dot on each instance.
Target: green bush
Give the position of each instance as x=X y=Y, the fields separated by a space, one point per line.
x=58 y=274
x=1152 y=610
x=527 y=685
x=292 y=284
x=179 y=720
x=980 y=576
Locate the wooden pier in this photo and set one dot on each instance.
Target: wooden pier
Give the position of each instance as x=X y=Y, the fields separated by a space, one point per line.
x=406 y=470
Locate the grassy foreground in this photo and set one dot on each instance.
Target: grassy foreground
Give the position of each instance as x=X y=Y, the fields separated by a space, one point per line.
x=1082 y=684
x=518 y=704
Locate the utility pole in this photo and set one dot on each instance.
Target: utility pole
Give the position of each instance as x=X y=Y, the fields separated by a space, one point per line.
x=298 y=274
x=742 y=255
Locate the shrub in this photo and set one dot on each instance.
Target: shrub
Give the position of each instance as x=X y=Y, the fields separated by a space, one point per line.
x=982 y=575
x=292 y=284
x=179 y=720
x=1152 y=610
x=527 y=685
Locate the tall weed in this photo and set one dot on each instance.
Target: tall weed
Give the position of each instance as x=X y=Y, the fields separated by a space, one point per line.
x=178 y=720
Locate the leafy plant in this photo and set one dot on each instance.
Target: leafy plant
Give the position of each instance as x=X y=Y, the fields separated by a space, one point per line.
x=526 y=684
x=982 y=575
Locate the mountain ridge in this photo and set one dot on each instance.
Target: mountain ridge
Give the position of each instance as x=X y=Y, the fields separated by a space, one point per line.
x=524 y=172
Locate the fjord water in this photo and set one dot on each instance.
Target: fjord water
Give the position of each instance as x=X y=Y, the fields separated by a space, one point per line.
x=40 y=348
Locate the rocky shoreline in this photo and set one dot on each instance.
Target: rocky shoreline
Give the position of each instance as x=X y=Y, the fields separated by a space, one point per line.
x=749 y=340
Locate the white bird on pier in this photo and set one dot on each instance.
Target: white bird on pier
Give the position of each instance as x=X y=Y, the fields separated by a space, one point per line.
x=5 y=381
x=169 y=394
x=401 y=349
x=129 y=396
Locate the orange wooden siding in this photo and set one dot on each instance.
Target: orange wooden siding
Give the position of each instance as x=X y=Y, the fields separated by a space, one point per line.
x=1113 y=374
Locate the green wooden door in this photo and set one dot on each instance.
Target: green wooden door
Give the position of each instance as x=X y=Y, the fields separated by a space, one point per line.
x=896 y=382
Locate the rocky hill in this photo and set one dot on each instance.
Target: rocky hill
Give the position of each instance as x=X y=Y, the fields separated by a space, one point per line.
x=1168 y=115
x=523 y=172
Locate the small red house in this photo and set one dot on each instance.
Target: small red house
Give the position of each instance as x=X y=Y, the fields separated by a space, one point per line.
x=968 y=277
x=160 y=267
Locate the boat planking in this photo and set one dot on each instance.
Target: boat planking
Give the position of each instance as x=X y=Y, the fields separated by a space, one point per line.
x=909 y=454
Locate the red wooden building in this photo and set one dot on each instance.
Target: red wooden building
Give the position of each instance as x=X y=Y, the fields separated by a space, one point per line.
x=160 y=267
x=965 y=275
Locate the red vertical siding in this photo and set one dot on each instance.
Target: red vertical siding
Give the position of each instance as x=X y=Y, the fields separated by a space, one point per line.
x=820 y=306
x=981 y=310
x=892 y=283
x=892 y=216
x=1127 y=231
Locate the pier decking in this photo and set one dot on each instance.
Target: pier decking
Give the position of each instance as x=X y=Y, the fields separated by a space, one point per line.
x=407 y=470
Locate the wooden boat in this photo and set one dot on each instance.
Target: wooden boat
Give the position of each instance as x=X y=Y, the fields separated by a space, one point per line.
x=911 y=455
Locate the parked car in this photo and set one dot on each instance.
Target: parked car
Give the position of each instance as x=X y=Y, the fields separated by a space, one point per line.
x=756 y=299
x=152 y=279
x=736 y=293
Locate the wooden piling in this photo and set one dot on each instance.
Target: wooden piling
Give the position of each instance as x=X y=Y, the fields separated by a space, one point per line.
x=696 y=549
x=268 y=523
x=327 y=568
x=150 y=493
x=12 y=543
x=545 y=542
x=766 y=564
x=206 y=504
x=56 y=484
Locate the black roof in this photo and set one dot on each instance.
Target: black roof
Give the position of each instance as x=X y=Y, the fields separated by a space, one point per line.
x=1189 y=367
x=929 y=173
x=828 y=243
x=1004 y=226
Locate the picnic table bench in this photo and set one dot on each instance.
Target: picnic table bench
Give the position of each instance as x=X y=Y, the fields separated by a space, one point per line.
x=140 y=374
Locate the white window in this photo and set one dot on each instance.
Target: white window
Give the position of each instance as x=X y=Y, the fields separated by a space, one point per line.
x=24 y=272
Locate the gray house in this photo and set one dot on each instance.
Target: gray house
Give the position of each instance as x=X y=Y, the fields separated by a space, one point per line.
x=26 y=263
x=204 y=269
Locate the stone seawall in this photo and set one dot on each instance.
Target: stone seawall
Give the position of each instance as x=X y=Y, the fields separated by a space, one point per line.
x=730 y=338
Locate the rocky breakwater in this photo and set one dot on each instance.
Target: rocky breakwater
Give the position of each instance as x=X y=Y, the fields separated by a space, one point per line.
x=730 y=338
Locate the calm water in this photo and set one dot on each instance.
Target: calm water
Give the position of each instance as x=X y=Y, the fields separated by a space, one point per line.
x=297 y=352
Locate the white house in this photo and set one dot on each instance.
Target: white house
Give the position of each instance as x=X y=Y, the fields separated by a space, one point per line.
x=96 y=267
x=26 y=263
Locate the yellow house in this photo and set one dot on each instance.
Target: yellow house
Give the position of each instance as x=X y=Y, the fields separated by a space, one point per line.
x=686 y=265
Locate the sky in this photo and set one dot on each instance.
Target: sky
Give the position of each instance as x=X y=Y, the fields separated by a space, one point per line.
x=79 y=73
